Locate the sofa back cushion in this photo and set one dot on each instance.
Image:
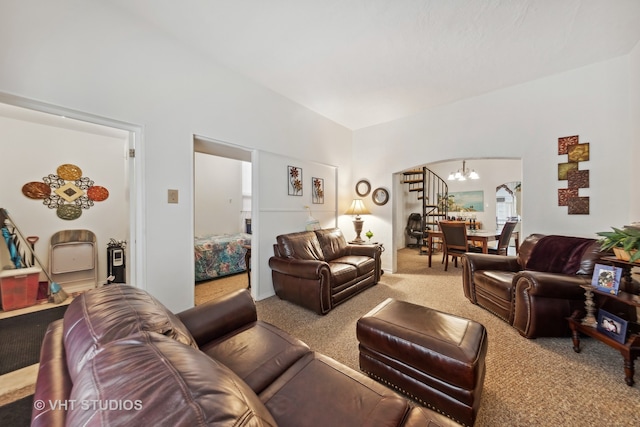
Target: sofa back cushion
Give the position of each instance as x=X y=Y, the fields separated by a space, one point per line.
x=560 y=254
x=112 y=312
x=301 y=245
x=173 y=385
x=332 y=243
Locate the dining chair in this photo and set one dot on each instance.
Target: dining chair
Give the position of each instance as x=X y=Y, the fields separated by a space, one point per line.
x=505 y=237
x=455 y=242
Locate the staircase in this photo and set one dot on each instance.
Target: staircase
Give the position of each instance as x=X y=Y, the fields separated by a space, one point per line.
x=433 y=192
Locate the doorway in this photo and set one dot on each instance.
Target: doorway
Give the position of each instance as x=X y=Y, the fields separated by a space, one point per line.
x=222 y=216
x=107 y=152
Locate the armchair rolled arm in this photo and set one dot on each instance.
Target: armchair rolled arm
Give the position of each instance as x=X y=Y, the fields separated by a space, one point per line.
x=479 y=261
x=543 y=301
x=551 y=285
x=472 y=262
x=218 y=317
x=302 y=268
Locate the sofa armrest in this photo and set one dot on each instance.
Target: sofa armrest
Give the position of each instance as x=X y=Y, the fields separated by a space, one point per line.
x=53 y=384
x=216 y=318
x=472 y=262
x=372 y=251
x=478 y=261
x=552 y=285
x=543 y=301
x=302 y=268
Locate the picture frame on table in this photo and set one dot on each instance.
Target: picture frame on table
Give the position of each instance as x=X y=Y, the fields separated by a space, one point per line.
x=606 y=278
x=612 y=326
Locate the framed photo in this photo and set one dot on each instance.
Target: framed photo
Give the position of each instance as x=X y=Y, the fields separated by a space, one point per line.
x=612 y=326
x=318 y=190
x=606 y=278
x=294 y=180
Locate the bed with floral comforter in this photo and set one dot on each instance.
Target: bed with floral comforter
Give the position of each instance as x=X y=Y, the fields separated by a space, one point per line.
x=220 y=255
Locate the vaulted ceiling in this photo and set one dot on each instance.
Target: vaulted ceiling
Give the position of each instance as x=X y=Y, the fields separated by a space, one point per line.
x=364 y=62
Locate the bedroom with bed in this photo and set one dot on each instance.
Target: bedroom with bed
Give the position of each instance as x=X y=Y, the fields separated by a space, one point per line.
x=222 y=223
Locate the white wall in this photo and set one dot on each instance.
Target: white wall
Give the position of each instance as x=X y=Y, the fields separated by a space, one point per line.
x=280 y=213
x=524 y=122
x=634 y=114
x=32 y=150
x=92 y=57
x=217 y=195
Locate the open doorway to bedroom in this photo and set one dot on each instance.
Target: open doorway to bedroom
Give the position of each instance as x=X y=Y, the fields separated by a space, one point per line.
x=222 y=218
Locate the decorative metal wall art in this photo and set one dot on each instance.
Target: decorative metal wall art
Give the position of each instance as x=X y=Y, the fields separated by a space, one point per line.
x=294 y=175
x=318 y=190
x=576 y=178
x=66 y=191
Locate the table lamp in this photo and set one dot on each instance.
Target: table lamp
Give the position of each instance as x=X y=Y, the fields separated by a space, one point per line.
x=357 y=208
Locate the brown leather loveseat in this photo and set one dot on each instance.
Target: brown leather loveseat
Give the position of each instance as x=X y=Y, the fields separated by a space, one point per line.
x=539 y=288
x=319 y=269
x=120 y=358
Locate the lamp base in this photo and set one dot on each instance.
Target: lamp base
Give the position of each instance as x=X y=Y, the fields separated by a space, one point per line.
x=357 y=225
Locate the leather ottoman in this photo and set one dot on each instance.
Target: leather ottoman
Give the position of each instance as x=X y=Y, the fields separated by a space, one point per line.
x=433 y=357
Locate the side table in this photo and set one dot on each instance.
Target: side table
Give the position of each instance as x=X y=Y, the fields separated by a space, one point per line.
x=630 y=349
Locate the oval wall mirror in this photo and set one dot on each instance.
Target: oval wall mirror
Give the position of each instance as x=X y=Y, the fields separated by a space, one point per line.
x=363 y=188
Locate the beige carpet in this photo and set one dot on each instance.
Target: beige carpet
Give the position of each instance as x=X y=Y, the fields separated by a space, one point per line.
x=540 y=382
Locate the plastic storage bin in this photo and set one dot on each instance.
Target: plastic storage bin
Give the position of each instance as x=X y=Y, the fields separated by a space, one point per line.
x=19 y=287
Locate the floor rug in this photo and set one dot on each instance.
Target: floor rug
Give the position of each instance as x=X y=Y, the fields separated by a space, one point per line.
x=18 y=413
x=21 y=337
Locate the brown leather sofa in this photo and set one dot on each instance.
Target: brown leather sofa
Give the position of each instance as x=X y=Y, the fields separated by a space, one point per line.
x=120 y=358
x=319 y=269
x=539 y=288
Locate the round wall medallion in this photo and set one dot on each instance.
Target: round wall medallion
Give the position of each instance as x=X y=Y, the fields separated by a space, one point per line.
x=380 y=196
x=69 y=172
x=69 y=212
x=36 y=190
x=97 y=193
x=363 y=188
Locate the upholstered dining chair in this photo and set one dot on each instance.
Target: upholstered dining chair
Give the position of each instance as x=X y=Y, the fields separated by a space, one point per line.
x=505 y=237
x=455 y=243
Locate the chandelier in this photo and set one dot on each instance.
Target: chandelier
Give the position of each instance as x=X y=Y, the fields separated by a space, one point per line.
x=464 y=174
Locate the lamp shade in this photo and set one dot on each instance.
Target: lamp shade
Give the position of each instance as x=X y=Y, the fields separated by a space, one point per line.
x=357 y=208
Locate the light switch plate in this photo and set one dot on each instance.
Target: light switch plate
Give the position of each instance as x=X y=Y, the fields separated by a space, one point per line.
x=173 y=196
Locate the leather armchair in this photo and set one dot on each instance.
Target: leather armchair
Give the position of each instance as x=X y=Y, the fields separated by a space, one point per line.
x=536 y=290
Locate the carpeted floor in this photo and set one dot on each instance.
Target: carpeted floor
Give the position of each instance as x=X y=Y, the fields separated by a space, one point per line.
x=540 y=382
x=18 y=413
x=25 y=334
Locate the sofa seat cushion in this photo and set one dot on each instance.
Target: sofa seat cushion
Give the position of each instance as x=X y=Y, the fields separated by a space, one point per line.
x=258 y=354
x=342 y=273
x=177 y=385
x=363 y=264
x=343 y=397
x=112 y=312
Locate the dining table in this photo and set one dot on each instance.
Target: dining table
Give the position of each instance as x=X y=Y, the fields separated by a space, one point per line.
x=474 y=236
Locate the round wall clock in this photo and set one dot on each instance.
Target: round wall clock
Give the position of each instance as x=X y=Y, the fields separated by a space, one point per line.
x=380 y=196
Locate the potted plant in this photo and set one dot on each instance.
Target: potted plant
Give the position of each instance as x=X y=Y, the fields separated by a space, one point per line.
x=624 y=241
